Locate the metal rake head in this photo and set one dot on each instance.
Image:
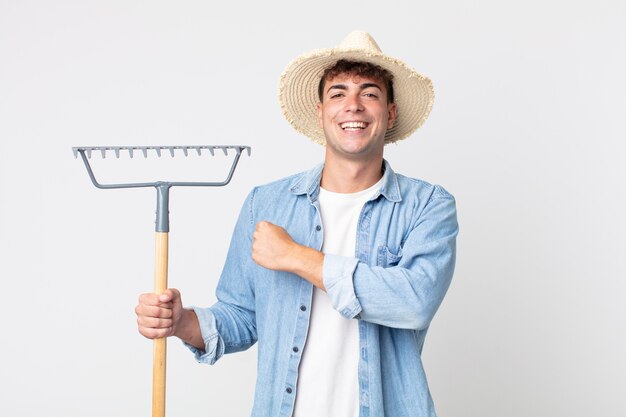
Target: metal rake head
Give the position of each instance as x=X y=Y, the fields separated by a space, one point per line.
x=162 y=187
x=85 y=153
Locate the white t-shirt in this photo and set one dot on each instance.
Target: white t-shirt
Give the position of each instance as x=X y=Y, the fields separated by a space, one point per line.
x=328 y=383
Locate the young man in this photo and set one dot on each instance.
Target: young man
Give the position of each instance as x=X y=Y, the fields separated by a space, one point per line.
x=336 y=272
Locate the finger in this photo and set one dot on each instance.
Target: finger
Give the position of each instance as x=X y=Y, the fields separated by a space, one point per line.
x=152 y=311
x=154 y=323
x=170 y=294
x=263 y=226
x=149 y=310
x=149 y=299
x=155 y=333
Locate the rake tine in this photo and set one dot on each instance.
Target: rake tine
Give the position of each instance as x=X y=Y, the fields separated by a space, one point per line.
x=198 y=150
x=158 y=151
x=225 y=149
x=212 y=150
x=171 y=148
x=185 y=149
x=249 y=150
x=88 y=153
x=117 y=152
x=130 y=152
x=145 y=152
x=103 y=152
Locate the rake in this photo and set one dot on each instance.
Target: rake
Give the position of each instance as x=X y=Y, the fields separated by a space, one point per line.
x=161 y=229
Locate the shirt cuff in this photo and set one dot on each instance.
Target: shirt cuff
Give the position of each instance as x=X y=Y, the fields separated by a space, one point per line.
x=213 y=350
x=337 y=276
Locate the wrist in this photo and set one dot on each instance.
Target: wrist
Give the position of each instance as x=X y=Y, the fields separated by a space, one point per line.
x=184 y=329
x=308 y=263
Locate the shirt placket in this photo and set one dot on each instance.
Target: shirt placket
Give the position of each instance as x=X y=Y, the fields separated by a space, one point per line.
x=303 y=313
x=362 y=253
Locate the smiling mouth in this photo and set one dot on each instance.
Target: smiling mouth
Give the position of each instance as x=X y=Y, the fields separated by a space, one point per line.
x=353 y=126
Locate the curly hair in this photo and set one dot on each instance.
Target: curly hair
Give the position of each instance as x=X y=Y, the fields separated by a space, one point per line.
x=359 y=69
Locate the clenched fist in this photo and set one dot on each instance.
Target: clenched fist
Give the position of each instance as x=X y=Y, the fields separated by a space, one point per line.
x=273 y=248
x=158 y=315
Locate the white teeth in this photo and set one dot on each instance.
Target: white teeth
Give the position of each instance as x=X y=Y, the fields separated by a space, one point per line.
x=353 y=125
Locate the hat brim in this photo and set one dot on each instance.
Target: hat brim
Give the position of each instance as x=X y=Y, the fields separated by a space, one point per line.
x=298 y=91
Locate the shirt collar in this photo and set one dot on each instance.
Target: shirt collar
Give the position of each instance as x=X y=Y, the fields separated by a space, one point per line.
x=309 y=183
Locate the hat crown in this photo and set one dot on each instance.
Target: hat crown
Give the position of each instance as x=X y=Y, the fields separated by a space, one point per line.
x=359 y=39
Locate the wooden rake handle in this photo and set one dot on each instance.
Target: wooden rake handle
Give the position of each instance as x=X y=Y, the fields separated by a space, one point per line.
x=160 y=345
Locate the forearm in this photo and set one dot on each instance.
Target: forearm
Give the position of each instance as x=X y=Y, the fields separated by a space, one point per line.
x=308 y=263
x=399 y=297
x=188 y=329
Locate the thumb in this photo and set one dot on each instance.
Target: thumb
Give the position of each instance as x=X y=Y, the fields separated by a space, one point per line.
x=169 y=295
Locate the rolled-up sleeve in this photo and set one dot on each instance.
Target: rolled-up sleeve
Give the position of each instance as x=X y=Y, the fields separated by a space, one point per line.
x=213 y=349
x=337 y=276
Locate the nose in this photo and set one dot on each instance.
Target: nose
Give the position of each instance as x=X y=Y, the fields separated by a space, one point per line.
x=353 y=103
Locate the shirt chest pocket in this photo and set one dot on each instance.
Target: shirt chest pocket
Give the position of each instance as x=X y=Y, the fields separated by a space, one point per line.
x=387 y=258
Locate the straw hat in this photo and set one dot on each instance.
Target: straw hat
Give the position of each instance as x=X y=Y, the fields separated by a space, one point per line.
x=299 y=82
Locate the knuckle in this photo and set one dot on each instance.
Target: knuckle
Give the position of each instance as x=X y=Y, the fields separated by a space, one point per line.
x=145 y=333
x=162 y=333
x=146 y=300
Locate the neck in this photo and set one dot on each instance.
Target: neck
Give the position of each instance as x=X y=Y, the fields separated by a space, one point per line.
x=351 y=176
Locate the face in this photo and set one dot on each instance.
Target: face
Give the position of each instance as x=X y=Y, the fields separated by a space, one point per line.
x=355 y=116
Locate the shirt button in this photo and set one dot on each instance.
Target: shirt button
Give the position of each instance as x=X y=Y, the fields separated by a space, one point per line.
x=303 y=307
x=295 y=348
x=288 y=390
x=318 y=227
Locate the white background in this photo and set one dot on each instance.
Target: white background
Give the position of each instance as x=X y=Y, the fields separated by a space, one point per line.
x=527 y=132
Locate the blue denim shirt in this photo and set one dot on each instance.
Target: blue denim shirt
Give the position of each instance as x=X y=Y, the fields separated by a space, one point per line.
x=404 y=261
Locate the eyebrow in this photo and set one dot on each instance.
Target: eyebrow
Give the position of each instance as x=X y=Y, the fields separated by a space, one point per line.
x=345 y=87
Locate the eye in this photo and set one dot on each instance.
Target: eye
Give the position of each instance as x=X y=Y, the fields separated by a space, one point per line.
x=370 y=94
x=335 y=95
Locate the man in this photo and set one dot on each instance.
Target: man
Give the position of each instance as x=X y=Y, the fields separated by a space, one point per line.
x=336 y=272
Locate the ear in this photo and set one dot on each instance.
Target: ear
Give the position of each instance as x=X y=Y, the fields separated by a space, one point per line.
x=320 y=118
x=392 y=115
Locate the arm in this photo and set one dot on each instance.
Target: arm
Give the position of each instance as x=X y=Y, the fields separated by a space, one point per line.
x=406 y=290
x=404 y=293
x=230 y=324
